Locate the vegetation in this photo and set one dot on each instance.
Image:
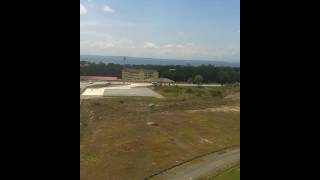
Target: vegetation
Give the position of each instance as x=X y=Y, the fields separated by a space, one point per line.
x=209 y=73
x=116 y=143
x=232 y=174
x=198 y=79
x=192 y=92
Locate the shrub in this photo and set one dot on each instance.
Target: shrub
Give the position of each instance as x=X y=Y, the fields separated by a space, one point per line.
x=97 y=104
x=189 y=90
x=216 y=93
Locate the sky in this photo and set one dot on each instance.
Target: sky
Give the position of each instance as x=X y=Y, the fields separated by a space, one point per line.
x=167 y=29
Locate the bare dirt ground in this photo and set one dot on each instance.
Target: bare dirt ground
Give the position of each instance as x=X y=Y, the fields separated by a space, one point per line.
x=116 y=143
x=218 y=109
x=235 y=96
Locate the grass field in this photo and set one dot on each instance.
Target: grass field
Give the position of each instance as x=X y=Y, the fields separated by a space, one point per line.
x=232 y=174
x=116 y=143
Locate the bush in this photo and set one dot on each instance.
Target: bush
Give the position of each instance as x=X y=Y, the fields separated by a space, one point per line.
x=174 y=90
x=216 y=93
x=97 y=104
x=189 y=90
x=199 y=93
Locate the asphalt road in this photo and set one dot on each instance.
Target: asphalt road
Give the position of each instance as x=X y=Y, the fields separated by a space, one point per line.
x=202 y=167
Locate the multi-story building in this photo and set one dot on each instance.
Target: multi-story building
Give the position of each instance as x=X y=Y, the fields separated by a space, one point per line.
x=139 y=75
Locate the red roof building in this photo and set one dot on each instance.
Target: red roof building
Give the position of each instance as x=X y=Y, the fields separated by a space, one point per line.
x=98 y=78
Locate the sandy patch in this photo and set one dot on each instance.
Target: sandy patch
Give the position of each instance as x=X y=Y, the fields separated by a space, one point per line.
x=218 y=109
x=134 y=89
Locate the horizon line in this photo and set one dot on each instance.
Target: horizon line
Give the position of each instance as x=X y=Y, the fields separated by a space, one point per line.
x=224 y=61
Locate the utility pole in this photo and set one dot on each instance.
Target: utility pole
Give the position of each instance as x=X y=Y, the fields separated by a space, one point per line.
x=150 y=109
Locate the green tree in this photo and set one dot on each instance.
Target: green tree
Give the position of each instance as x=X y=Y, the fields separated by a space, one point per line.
x=210 y=74
x=198 y=79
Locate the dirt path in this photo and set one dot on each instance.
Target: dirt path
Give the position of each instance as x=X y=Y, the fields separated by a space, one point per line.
x=204 y=166
x=218 y=109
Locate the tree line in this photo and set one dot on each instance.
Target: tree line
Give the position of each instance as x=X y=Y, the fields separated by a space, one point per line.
x=178 y=73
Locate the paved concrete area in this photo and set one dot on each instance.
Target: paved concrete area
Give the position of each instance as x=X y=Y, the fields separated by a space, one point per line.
x=118 y=89
x=140 y=92
x=85 y=84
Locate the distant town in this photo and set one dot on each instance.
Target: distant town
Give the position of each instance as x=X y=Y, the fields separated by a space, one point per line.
x=159 y=73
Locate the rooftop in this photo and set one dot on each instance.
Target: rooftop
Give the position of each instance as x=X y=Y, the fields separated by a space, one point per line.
x=98 y=78
x=165 y=80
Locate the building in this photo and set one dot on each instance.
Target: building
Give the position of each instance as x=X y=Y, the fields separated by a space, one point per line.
x=139 y=75
x=164 y=82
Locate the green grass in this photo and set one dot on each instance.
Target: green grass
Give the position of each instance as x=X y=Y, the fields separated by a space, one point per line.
x=192 y=92
x=232 y=174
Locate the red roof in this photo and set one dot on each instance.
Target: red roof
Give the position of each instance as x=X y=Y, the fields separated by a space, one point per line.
x=98 y=78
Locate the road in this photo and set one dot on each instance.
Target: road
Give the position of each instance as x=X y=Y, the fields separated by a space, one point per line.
x=202 y=167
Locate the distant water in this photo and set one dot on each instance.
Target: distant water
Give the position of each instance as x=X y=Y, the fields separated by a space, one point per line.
x=153 y=61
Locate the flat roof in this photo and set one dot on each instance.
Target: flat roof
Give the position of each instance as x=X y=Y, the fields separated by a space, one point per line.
x=166 y=80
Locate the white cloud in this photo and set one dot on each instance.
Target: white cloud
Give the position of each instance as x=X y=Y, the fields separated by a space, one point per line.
x=108 y=9
x=104 y=45
x=150 y=45
x=87 y=24
x=179 y=46
x=92 y=42
x=103 y=42
x=83 y=9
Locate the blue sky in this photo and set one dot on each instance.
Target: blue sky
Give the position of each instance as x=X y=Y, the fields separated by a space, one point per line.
x=177 y=29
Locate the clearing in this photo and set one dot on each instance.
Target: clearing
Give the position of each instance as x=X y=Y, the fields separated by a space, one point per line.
x=116 y=143
x=120 y=90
